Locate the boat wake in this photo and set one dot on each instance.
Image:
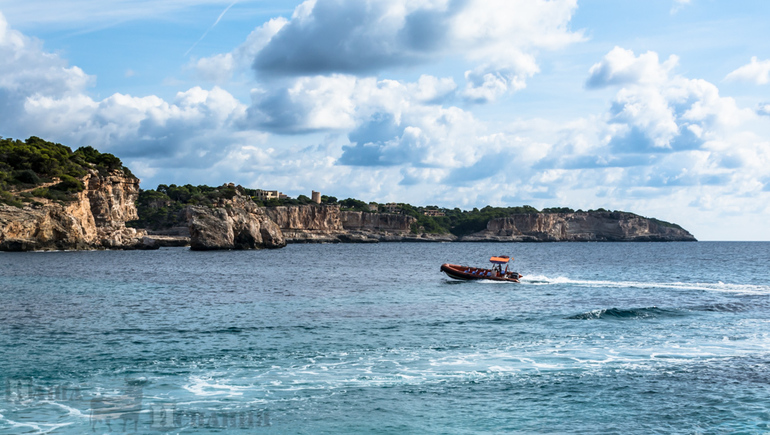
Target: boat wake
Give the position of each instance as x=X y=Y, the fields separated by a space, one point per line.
x=719 y=286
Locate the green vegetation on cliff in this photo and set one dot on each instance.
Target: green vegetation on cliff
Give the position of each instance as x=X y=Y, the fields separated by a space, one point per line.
x=36 y=168
x=163 y=208
x=456 y=221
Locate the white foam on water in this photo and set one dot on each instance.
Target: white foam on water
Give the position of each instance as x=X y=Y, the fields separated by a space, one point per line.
x=74 y=412
x=205 y=388
x=718 y=286
x=490 y=281
x=39 y=428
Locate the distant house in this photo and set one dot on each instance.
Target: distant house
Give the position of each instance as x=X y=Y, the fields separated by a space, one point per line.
x=392 y=207
x=266 y=195
x=373 y=206
x=434 y=213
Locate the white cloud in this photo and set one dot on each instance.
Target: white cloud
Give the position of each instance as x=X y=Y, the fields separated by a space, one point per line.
x=678 y=5
x=501 y=37
x=621 y=67
x=757 y=72
x=486 y=84
x=658 y=111
x=430 y=89
x=221 y=67
x=26 y=69
x=667 y=139
x=138 y=126
x=43 y=96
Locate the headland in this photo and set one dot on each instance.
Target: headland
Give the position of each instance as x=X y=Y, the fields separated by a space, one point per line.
x=52 y=198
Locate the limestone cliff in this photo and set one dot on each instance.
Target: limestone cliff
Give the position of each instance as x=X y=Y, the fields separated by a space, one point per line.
x=361 y=221
x=579 y=227
x=234 y=221
x=234 y=224
x=308 y=223
x=387 y=227
x=306 y=217
x=94 y=220
x=328 y=224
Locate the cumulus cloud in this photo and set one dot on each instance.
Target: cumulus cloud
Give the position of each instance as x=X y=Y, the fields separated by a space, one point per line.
x=620 y=67
x=41 y=95
x=346 y=130
x=655 y=111
x=309 y=104
x=27 y=71
x=666 y=139
x=354 y=37
x=388 y=122
x=757 y=72
x=147 y=127
x=221 y=67
x=665 y=136
x=485 y=84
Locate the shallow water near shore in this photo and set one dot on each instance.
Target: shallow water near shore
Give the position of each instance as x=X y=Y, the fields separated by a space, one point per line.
x=598 y=337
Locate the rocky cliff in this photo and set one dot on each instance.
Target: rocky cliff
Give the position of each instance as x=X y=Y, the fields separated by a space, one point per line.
x=579 y=227
x=386 y=227
x=361 y=221
x=94 y=220
x=328 y=224
x=234 y=224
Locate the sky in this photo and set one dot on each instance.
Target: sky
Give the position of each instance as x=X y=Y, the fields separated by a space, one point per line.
x=657 y=107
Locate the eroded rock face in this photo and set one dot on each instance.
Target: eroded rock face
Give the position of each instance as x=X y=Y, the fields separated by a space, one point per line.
x=112 y=199
x=358 y=220
x=95 y=220
x=234 y=224
x=306 y=217
x=579 y=227
x=44 y=228
x=327 y=224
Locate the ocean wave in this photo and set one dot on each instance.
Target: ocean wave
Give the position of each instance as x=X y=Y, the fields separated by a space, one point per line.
x=632 y=313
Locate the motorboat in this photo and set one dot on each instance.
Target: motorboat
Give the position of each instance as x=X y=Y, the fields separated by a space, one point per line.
x=495 y=273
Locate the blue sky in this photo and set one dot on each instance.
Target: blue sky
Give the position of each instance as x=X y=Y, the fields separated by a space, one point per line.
x=659 y=107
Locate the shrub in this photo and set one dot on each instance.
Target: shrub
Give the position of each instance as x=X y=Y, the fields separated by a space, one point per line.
x=27 y=176
x=69 y=184
x=7 y=198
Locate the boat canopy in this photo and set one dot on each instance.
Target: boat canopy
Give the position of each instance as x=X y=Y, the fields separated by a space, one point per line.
x=500 y=260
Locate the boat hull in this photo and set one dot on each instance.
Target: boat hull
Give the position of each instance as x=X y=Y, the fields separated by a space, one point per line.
x=466 y=273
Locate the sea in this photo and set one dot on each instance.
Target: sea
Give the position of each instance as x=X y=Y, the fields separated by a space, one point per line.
x=611 y=338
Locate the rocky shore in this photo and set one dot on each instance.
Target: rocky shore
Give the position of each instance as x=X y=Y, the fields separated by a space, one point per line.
x=96 y=220
x=578 y=227
x=213 y=228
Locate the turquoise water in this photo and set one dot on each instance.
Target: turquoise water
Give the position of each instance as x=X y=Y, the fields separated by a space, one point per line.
x=599 y=337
